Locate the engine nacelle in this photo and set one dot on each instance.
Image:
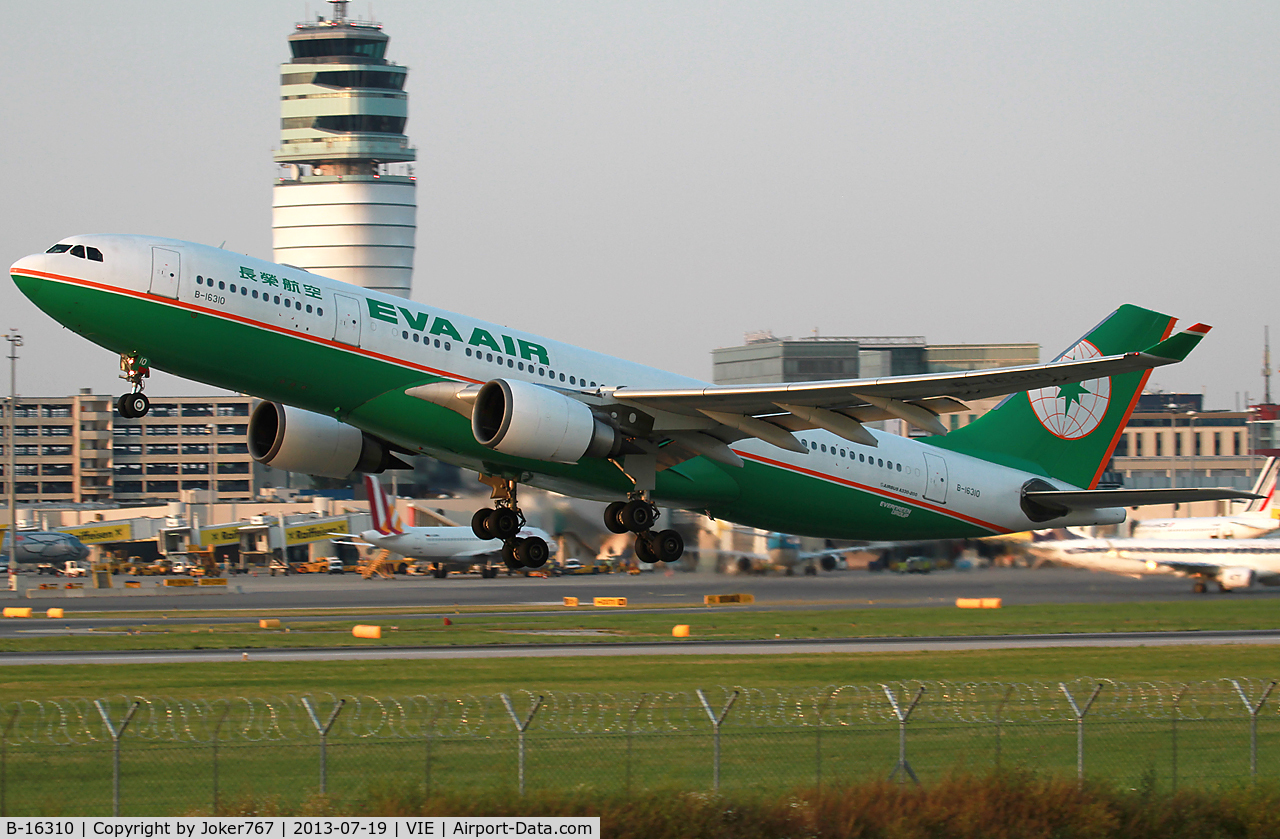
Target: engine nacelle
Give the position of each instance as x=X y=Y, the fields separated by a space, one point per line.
x=313 y=444
x=1233 y=578
x=528 y=420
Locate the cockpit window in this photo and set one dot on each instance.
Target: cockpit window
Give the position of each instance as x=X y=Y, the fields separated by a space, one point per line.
x=78 y=250
x=59 y=248
x=94 y=254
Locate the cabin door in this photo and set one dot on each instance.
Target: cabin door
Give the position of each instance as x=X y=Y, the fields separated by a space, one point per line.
x=348 y=313
x=165 y=270
x=936 y=470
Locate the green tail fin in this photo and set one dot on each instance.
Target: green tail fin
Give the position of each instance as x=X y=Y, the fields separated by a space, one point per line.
x=1069 y=432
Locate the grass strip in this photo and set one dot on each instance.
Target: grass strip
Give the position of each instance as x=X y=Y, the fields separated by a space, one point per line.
x=595 y=626
x=963 y=807
x=1175 y=664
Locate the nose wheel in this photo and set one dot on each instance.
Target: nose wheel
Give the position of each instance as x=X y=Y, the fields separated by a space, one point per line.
x=134 y=370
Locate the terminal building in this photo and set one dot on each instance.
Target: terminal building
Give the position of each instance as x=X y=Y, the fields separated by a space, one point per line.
x=78 y=450
x=344 y=200
x=764 y=358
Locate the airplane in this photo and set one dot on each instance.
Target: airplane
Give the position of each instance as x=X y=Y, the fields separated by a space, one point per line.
x=350 y=378
x=1232 y=564
x=1257 y=518
x=41 y=546
x=449 y=548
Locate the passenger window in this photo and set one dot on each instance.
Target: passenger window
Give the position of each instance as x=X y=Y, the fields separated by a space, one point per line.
x=880 y=462
x=593 y=384
x=824 y=448
x=562 y=377
x=320 y=312
x=488 y=356
x=520 y=367
x=222 y=286
x=255 y=294
x=542 y=371
x=199 y=280
x=78 y=250
x=287 y=303
x=415 y=335
x=277 y=300
x=842 y=452
x=437 y=343
x=510 y=363
x=233 y=288
x=468 y=352
x=94 y=254
x=245 y=290
x=898 y=466
x=447 y=345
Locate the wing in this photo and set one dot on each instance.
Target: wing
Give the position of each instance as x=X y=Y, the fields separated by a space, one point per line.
x=771 y=412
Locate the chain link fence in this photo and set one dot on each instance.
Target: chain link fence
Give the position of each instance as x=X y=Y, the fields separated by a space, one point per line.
x=161 y=756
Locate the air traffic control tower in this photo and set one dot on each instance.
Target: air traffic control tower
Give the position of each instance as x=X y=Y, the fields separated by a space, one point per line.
x=344 y=202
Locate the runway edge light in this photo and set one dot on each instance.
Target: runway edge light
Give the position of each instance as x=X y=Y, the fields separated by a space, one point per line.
x=363 y=631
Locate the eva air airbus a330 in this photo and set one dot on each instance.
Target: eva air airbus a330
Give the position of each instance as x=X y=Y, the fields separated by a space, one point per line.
x=350 y=378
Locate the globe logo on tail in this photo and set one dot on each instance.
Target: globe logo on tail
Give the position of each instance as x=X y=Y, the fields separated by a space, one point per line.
x=1072 y=411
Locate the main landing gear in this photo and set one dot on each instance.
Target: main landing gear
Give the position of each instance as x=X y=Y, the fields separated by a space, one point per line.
x=134 y=369
x=505 y=521
x=638 y=515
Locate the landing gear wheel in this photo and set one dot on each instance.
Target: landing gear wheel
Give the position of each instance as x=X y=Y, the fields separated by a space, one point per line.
x=503 y=523
x=480 y=524
x=637 y=516
x=137 y=403
x=1199 y=587
x=645 y=551
x=122 y=406
x=612 y=517
x=509 y=557
x=533 y=552
x=668 y=545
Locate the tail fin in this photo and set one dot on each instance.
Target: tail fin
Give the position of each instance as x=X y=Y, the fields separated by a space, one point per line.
x=1266 y=487
x=1070 y=432
x=386 y=519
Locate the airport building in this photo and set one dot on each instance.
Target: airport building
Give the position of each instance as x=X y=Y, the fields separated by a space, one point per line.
x=1172 y=441
x=765 y=358
x=78 y=450
x=344 y=199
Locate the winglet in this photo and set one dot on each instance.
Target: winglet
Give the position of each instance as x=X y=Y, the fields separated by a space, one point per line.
x=1179 y=346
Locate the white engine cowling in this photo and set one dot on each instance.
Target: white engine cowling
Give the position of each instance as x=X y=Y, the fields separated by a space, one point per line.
x=301 y=441
x=1233 y=578
x=528 y=420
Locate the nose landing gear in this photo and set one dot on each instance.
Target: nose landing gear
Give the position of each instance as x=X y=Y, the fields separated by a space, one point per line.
x=135 y=369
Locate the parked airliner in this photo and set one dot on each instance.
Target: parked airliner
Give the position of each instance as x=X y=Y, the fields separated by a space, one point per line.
x=448 y=548
x=1256 y=519
x=1231 y=563
x=351 y=378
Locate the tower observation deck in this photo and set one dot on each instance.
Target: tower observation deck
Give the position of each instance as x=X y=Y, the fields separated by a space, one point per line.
x=344 y=203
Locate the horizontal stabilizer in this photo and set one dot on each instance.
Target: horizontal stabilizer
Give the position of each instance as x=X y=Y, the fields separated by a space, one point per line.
x=1067 y=501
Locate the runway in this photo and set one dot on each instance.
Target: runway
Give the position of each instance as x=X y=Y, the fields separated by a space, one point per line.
x=671 y=648
x=841 y=589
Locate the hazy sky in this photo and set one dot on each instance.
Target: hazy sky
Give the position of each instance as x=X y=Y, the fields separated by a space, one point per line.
x=652 y=179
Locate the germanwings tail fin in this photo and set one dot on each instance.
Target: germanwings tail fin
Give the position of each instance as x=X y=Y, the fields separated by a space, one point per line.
x=1266 y=488
x=386 y=519
x=1069 y=432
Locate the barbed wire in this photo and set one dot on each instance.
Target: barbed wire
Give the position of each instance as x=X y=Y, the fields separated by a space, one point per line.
x=78 y=721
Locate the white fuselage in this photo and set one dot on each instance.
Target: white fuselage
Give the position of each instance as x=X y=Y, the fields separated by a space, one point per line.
x=444 y=543
x=1182 y=557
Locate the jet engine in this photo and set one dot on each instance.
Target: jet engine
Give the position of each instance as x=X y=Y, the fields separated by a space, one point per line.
x=528 y=420
x=1233 y=578
x=313 y=444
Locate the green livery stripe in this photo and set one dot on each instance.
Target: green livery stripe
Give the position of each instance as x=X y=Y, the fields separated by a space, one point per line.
x=875 y=491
